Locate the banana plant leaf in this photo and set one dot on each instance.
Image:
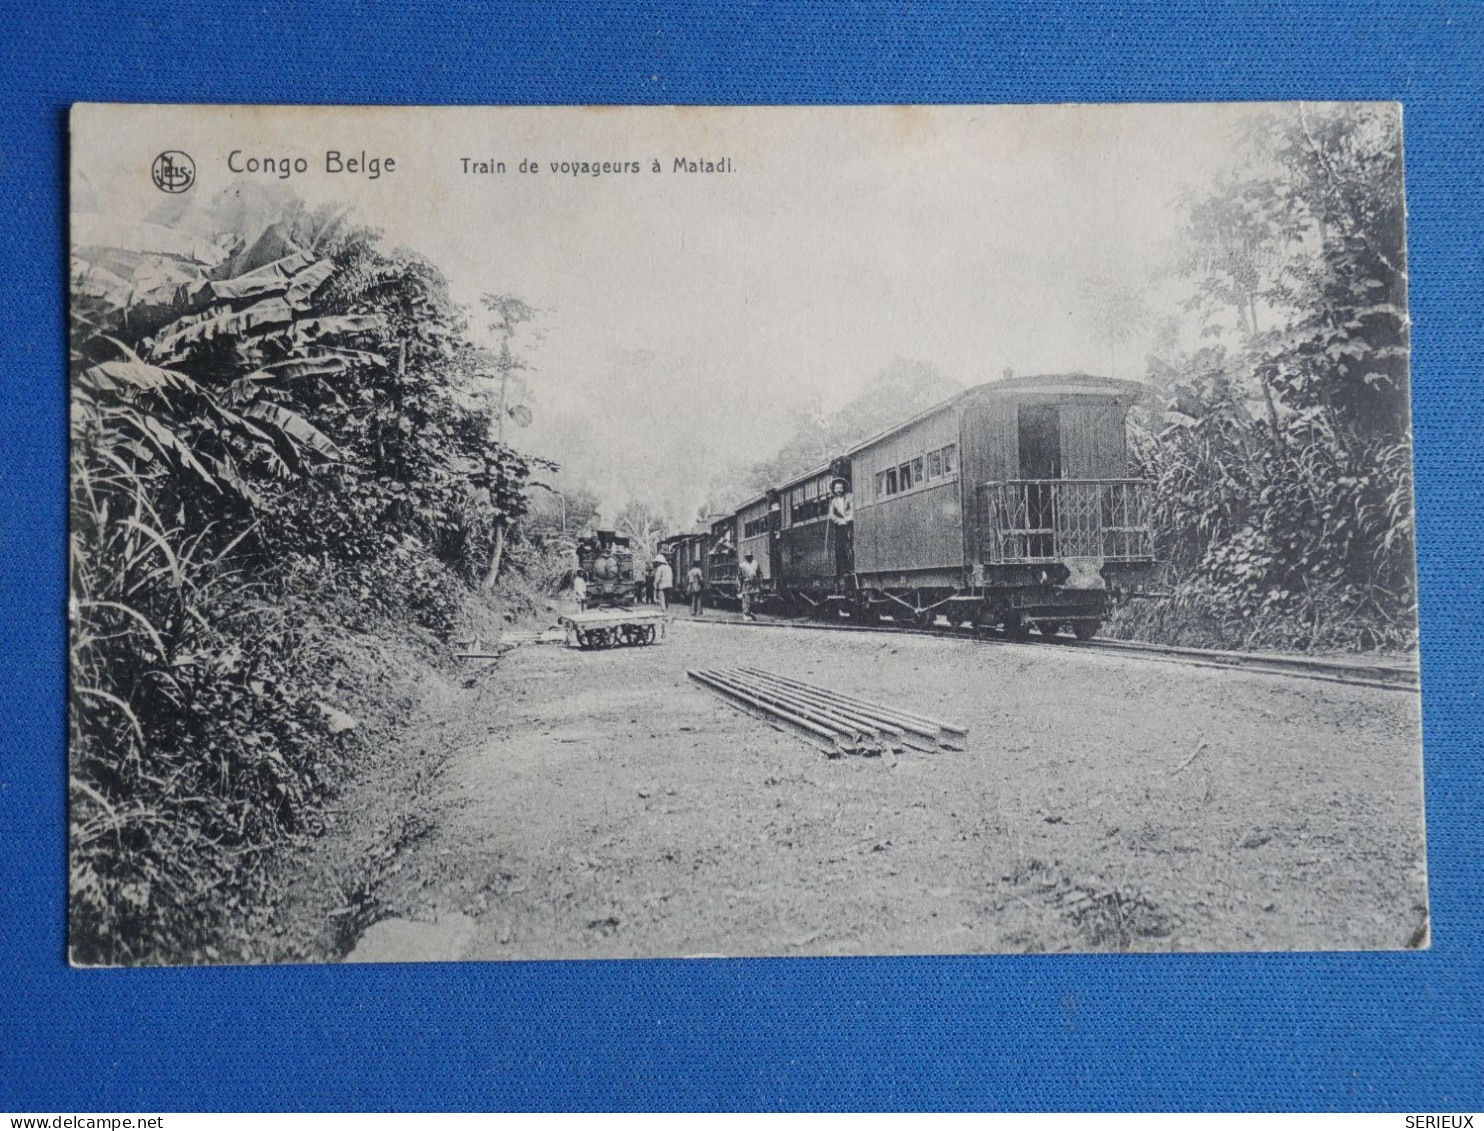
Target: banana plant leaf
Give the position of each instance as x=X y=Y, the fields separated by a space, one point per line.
x=171 y=446
x=272 y=278
x=175 y=340
x=295 y=427
x=303 y=285
x=296 y=368
x=96 y=230
x=338 y=324
x=126 y=376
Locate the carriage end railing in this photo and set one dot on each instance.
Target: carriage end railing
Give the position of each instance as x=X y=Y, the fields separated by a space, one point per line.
x=1029 y=521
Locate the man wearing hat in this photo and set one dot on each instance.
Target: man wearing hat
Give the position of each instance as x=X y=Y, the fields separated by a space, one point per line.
x=664 y=578
x=748 y=573
x=842 y=526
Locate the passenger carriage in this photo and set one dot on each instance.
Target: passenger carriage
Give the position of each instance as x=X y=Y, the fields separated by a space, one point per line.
x=684 y=551
x=809 y=556
x=669 y=549
x=719 y=559
x=1011 y=501
x=757 y=535
x=1008 y=504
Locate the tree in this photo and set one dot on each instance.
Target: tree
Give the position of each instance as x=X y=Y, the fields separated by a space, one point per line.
x=555 y=510
x=510 y=312
x=901 y=389
x=1301 y=513
x=644 y=526
x=1116 y=312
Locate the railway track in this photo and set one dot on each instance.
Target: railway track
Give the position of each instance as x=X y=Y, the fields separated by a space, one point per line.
x=1391 y=677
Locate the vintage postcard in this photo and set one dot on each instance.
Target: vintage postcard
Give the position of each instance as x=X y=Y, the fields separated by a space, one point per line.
x=535 y=533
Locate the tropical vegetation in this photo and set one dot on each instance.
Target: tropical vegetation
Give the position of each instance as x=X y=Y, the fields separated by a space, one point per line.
x=280 y=446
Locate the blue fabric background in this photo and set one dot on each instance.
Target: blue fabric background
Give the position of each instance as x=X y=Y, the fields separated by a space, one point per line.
x=1399 y=1031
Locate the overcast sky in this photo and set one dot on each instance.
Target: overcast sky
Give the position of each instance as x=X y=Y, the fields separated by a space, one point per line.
x=685 y=315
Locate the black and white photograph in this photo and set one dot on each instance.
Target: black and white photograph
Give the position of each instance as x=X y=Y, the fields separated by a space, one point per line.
x=705 y=532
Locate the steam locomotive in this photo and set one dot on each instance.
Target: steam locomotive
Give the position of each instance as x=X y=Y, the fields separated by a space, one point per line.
x=606 y=562
x=1007 y=505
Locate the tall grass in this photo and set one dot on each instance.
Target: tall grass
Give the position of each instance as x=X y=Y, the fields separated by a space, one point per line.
x=267 y=464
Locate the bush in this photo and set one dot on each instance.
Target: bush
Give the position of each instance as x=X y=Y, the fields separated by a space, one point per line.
x=1281 y=458
x=270 y=462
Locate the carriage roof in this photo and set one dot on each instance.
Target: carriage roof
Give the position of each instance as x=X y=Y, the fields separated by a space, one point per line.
x=1047 y=384
x=1044 y=384
x=804 y=477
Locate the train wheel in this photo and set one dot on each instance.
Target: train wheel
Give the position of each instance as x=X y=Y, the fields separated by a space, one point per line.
x=1047 y=627
x=1086 y=629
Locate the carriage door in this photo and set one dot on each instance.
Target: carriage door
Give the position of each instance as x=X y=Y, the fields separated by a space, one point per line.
x=1039 y=434
x=775 y=539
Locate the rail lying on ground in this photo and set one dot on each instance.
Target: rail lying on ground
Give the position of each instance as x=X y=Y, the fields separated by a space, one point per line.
x=848 y=725
x=1394 y=677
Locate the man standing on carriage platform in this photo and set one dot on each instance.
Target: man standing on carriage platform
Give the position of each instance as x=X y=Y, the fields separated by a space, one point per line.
x=842 y=527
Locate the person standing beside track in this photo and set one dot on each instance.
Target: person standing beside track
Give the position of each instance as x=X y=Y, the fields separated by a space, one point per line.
x=664 y=579
x=747 y=577
x=695 y=585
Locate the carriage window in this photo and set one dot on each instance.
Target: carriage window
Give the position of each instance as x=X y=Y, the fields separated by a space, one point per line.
x=904 y=477
x=948 y=459
x=934 y=465
x=891 y=481
x=808 y=503
x=917 y=470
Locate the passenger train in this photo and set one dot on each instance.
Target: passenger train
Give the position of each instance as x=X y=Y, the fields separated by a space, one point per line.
x=1007 y=505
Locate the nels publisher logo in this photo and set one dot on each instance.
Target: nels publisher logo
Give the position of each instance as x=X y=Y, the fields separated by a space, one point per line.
x=173 y=171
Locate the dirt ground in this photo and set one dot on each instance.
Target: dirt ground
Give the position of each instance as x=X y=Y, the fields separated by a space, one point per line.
x=572 y=804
